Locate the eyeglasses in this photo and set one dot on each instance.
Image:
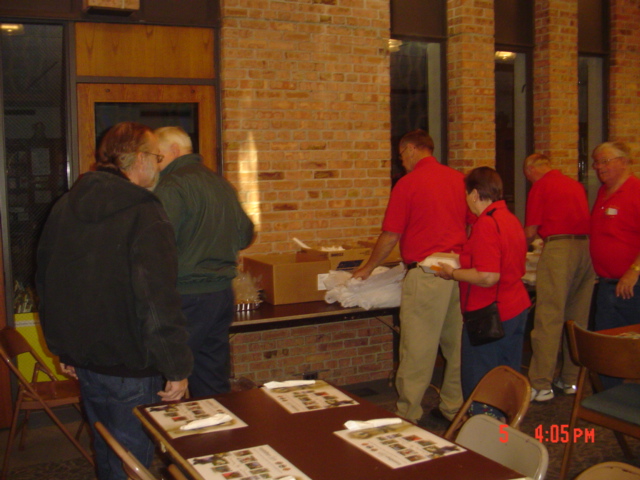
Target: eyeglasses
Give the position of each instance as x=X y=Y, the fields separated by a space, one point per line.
x=159 y=157
x=600 y=163
x=404 y=150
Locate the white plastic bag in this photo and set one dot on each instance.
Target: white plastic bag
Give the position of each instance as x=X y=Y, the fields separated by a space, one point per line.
x=381 y=290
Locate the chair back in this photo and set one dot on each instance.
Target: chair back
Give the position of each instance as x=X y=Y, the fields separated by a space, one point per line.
x=610 y=471
x=502 y=388
x=130 y=464
x=604 y=354
x=12 y=345
x=506 y=445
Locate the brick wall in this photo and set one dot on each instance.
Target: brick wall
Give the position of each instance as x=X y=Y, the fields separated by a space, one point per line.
x=306 y=116
x=471 y=84
x=624 y=105
x=344 y=352
x=555 y=83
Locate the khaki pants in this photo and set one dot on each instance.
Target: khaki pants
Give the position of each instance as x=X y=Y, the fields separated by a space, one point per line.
x=564 y=285
x=429 y=316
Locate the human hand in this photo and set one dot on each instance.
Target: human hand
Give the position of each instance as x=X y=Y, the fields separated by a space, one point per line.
x=362 y=273
x=174 y=390
x=445 y=271
x=625 y=285
x=68 y=370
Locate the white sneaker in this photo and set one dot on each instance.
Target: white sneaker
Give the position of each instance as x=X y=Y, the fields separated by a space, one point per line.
x=567 y=389
x=541 y=395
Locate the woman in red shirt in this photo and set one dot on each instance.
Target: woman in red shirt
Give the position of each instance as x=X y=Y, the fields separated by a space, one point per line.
x=492 y=264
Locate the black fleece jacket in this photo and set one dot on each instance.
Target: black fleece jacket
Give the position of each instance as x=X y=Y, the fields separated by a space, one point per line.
x=106 y=279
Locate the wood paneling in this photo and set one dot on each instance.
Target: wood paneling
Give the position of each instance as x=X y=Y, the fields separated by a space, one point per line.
x=419 y=18
x=91 y=93
x=144 y=51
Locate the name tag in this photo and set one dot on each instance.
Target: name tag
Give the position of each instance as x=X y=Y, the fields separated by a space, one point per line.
x=611 y=211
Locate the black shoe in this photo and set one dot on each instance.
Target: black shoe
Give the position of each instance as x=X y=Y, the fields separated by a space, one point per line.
x=437 y=413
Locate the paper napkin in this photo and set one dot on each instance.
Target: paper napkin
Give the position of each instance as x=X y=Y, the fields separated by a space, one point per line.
x=376 y=422
x=288 y=383
x=217 y=419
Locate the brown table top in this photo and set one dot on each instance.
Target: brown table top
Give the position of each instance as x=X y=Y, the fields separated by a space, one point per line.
x=297 y=314
x=308 y=442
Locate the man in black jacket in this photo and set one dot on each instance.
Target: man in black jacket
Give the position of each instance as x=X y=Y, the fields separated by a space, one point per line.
x=107 y=269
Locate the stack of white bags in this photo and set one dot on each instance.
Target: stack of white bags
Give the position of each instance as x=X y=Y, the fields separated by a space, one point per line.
x=381 y=290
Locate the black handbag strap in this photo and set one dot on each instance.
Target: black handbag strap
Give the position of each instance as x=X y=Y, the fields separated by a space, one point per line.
x=466 y=300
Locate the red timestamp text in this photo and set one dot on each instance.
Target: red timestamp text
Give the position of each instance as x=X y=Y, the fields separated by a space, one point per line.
x=563 y=434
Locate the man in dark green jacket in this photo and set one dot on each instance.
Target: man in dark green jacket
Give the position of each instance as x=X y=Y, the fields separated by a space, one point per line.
x=211 y=228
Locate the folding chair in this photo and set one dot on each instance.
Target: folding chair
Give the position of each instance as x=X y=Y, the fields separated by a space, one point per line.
x=616 y=408
x=610 y=471
x=130 y=464
x=506 y=445
x=502 y=388
x=36 y=395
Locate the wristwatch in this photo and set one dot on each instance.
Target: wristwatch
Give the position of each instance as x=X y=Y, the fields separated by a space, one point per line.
x=635 y=268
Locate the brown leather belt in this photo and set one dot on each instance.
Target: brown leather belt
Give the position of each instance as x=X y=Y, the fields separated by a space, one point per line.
x=551 y=238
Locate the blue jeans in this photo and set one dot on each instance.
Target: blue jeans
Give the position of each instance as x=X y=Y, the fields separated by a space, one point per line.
x=111 y=400
x=612 y=312
x=479 y=360
x=209 y=316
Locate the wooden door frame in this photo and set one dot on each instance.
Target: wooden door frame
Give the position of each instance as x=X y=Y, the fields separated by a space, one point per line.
x=88 y=94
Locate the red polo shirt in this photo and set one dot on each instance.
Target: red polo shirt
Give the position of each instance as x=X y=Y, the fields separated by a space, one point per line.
x=615 y=229
x=558 y=205
x=428 y=208
x=504 y=252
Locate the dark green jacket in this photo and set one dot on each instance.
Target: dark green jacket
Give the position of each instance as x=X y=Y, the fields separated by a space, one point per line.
x=210 y=225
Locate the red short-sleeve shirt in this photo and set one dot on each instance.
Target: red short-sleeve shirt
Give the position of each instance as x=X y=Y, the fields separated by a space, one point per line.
x=504 y=252
x=428 y=208
x=615 y=229
x=558 y=205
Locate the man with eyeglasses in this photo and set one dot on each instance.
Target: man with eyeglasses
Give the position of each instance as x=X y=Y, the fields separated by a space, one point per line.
x=615 y=237
x=557 y=212
x=211 y=228
x=106 y=279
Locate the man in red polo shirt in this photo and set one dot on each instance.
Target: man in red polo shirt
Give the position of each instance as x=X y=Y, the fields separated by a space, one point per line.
x=427 y=213
x=557 y=211
x=615 y=237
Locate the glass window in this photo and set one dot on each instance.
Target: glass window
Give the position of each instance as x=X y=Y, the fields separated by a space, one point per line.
x=35 y=141
x=416 y=95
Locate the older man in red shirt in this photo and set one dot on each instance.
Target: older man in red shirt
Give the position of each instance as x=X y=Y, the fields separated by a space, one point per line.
x=427 y=213
x=557 y=211
x=615 y=237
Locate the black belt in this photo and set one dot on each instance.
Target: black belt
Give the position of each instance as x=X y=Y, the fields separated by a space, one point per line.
x=412 y=265
x=551 y=238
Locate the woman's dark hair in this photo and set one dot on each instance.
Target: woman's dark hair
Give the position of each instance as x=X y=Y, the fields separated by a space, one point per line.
x=486 y=181
x=120 y=145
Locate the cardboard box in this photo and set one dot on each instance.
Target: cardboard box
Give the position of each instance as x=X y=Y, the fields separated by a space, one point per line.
x=288 y=277
x=351 y=258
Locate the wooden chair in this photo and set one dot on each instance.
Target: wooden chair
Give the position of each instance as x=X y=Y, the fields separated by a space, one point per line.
x=502 y=388
x=506 y=445
x=616 y=408
x=130 y=464
x=610 y=471
x=34 y=395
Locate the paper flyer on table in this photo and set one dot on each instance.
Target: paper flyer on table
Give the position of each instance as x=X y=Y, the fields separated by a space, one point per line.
x=306 y=398
x=174 y=415
x=255 y=463
x=400 y=445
